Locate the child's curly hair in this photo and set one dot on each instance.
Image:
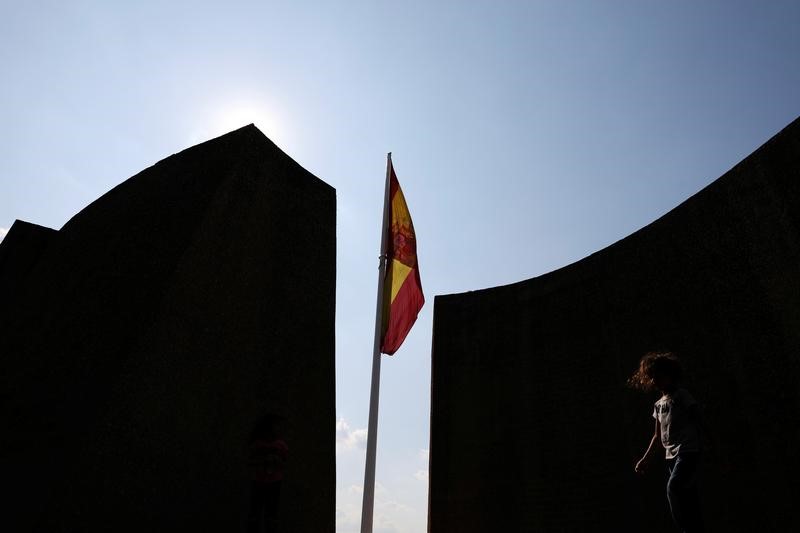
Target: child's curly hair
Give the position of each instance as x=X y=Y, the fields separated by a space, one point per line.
x=654 y=364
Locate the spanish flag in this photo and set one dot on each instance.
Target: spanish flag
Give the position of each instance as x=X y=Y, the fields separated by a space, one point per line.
x=402 y=289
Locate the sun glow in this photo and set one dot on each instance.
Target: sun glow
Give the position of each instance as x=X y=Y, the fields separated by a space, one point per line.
x=234 y=115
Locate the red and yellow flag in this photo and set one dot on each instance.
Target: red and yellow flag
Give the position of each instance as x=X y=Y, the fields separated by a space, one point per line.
x=402 y=289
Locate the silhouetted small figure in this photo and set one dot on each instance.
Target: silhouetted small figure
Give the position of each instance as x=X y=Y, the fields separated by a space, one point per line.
x=676 y=430
x=268 y=453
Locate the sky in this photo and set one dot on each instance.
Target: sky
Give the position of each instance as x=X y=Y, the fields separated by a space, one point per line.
x=525 y=134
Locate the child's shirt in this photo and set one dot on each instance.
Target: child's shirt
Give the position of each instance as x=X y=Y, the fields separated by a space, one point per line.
x=678 y=431
x=267 y=459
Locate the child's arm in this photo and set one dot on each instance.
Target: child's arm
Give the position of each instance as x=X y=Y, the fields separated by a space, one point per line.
x=655 y=442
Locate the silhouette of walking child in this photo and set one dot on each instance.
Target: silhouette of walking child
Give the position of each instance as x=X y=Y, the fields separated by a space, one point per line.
x=267 y=457
x=677 y=422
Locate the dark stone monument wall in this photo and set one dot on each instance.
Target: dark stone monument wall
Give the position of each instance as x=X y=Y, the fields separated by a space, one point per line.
x=156 y=328
x=532 y=427
x=19 y=252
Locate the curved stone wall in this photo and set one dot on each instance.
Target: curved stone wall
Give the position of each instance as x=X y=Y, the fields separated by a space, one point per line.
x=532 y=427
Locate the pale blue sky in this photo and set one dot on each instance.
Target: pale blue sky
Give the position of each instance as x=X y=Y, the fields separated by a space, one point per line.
x=525 y=135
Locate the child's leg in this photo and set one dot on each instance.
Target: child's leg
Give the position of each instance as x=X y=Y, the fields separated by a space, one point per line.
x=682 y=493
x=255 y=517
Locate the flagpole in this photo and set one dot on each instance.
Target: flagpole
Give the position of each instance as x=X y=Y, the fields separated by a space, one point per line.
x=368 y=503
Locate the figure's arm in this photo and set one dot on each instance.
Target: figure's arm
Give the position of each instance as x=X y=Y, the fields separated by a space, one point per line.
x=655 y=443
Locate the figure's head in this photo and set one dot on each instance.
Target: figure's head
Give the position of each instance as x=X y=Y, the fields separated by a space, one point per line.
x=657 y=371
x=268 y=426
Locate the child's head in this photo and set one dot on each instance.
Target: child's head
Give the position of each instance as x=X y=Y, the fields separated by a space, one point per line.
x=657 y=371
x=269 y=426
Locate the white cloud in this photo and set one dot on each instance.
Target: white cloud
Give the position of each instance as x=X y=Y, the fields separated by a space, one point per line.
x=381 y=525
x=348 y=438
x=348 y=517
x=423 y=456
x=394 y=506
x=3 y=232
x=390 y=515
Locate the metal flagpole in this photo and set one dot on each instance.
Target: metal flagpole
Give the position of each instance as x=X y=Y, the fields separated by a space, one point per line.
x=372 y=429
